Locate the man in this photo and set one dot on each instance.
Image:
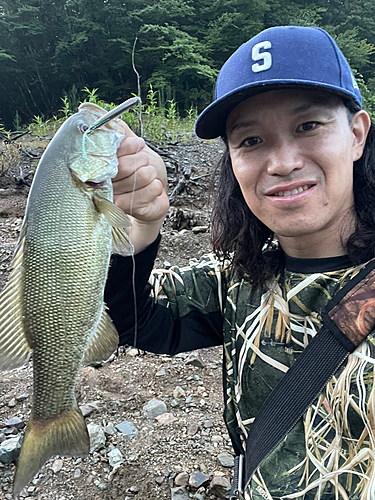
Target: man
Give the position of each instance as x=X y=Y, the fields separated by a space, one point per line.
x=294 y=216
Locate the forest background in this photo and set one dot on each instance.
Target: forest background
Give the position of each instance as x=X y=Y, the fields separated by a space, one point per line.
x=52 y=50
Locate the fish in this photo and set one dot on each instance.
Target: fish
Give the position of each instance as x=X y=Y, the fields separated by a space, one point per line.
x=52 y=307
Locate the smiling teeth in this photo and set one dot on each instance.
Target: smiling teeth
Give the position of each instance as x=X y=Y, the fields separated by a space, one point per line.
x=293 y=191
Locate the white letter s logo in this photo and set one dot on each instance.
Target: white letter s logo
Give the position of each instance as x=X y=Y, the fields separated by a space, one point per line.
x=261 y=56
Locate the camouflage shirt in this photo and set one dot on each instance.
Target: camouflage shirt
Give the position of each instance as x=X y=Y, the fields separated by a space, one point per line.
x=331 y=450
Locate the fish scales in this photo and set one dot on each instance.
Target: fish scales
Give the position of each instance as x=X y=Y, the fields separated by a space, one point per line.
x=65 y=270
x=53 y=302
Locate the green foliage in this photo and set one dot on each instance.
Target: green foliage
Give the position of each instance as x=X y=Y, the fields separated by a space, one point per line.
x=357 y=51
x=38 y=126
x=50 y=50
x=16 y=124
x=65 y=109
x=368 y=94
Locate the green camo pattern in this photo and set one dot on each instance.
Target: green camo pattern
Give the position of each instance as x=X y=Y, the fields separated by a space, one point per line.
x=264 y=331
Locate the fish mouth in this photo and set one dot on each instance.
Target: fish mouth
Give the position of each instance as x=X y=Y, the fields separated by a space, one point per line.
x=95 y=185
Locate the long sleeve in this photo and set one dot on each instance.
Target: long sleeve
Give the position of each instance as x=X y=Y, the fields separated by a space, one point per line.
x=180 y=311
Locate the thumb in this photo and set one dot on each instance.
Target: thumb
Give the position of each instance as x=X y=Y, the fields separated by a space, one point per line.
x=128 y=131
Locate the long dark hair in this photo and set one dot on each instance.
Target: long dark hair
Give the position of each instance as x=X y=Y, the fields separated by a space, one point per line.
x=238 y=235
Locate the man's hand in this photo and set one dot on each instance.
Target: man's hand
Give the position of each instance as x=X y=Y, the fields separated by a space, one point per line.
x=140 y=189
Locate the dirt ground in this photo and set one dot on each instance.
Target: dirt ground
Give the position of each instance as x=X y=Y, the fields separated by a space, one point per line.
x=118 y=390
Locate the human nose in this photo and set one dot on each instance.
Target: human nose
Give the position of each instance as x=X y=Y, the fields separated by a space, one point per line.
x=283 y=158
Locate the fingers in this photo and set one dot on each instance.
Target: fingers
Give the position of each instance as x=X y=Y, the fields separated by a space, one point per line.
x=140 y=185
x=147 y=204
x=134 y=177
x=132 y=144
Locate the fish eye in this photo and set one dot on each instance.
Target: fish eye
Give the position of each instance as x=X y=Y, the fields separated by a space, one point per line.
x=83 y=127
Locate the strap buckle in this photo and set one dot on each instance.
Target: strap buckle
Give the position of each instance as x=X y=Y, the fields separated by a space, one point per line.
x=236 y=492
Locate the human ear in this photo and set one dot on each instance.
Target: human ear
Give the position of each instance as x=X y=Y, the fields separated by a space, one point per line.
x=360 y=126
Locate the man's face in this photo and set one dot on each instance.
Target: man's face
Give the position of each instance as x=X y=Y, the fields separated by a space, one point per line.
x=292 y=153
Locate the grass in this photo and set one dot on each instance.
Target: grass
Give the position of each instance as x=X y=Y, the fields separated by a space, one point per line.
x=159 y=125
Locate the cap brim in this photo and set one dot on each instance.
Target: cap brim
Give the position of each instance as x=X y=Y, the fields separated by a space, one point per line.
x=211 y=122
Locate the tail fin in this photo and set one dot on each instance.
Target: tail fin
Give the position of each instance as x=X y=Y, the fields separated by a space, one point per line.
x=66 y=435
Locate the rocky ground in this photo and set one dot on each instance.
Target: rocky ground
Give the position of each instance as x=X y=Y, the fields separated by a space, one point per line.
x=155 y=422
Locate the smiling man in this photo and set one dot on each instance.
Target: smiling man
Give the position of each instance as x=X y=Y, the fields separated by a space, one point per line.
x=294 y=219
x=294 y=163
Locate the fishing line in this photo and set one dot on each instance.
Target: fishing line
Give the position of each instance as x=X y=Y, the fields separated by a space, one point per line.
x=84 y=137
x=135 y=340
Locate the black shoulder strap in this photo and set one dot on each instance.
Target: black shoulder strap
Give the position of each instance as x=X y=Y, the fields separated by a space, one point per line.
x=347 y=320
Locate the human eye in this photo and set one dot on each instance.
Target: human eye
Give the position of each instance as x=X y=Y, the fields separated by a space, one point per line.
x=251 y=141
x=307 y=126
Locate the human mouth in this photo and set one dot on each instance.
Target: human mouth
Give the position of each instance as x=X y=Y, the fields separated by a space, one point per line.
x=292 y=192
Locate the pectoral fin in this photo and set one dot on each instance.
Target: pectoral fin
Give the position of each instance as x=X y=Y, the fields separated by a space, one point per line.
x=114 y=215
x=121 y=243
x=103 y=342
x=15 y=348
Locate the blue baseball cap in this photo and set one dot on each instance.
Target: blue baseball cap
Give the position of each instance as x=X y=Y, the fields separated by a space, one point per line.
x=278 y=57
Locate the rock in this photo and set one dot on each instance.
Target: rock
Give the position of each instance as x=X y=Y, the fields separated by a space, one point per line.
x=197 y=480
x=175 y=403
x=57 y=465
x=77 y=474
x=160 y=373
x=195 y=360
x=200 y=229
x=166 y=418
x=2 y=437
x=109 y=430
x=134 y=489
x=22 y=397
x=127 y=428
x=225 y=459
x=182 y=479
x=220 y=486
x=97 y=437
x=102 y=486
x=15 y=422
x=192 y=429
x=154 y=408
x=179 y=392
x=115 y=457
x=87 y=410
x=188 y=400
x=203 y=468
x=9 y=431
x=12 y=403
x=159 y=480
x=10 y=449
x=133 y=352
x=208 y=424
x=196 y=377
x=179 y=493
x=199 y=496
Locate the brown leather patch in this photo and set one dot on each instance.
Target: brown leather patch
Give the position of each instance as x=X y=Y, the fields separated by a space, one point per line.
x=355 y=313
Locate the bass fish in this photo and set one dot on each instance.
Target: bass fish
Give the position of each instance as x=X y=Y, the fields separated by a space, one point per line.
x=53 y=304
